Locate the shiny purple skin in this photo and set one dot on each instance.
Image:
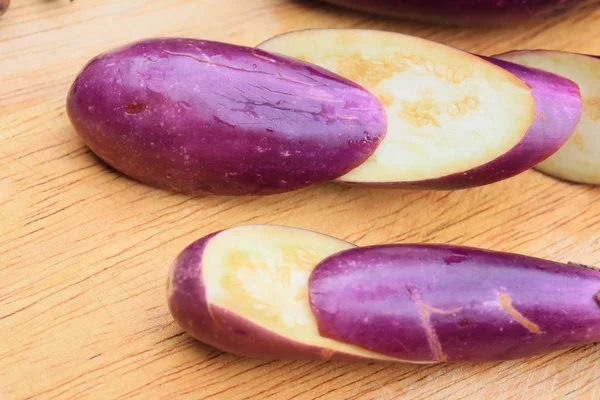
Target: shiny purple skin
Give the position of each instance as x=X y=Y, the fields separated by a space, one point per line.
x=558 y=109
x=206 y=117
x=223 y=329
x=467 y=12
x=455 y=304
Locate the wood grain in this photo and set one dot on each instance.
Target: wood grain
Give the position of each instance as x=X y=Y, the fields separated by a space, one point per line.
x=84 y=252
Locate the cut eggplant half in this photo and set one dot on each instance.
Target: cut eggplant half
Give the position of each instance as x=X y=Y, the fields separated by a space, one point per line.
x=455 y=120
x=245 y=290
x=198 y=116
x=579 y=159
x=285 y=293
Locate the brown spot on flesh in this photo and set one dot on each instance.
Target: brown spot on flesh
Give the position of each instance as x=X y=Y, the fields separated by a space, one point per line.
x=231 y=282
x=302 y=296
x=235 y=286
x=371 y=72
x=420 y=113
x=238 y=259
x=462 y=107
x=471 y=102
x=367 y=72
x=578 y=141
x=386 y=98
x=284 y=275
x=452 y=109
x=505 y=302
x=245 y=270
x=591 y=106
x=598 y=297
x=451 y=73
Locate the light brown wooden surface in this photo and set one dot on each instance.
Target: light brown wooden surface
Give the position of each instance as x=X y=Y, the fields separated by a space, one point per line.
x=84 y=252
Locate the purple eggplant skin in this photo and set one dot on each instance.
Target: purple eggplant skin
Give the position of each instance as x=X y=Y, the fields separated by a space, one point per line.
x=4 y=6
x=205 y=117
x=558 y=110
x=223 y=329
x=462 y=12
x=454 y=304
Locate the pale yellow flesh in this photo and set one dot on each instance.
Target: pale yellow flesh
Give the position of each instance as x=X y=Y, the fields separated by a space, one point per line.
x=261 y=272
x=448 y=111
x=579 y=159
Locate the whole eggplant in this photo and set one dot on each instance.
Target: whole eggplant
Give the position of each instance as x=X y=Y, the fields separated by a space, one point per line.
x=462 y=12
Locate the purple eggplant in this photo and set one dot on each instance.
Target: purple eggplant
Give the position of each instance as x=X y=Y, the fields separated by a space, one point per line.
x=455 y=120
x=285 y=293
x=447 y=303
x=207 y=117
x=458 y=12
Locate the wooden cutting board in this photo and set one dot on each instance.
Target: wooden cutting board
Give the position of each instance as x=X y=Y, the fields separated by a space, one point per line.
x=84 y=252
